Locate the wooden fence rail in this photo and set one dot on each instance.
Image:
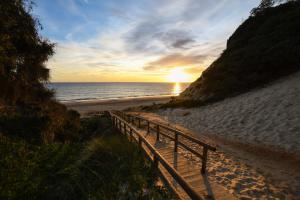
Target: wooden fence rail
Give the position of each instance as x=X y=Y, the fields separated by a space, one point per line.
x=126 y=128
x=175 y=137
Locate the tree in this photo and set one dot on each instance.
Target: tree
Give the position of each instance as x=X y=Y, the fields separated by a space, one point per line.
x=27 y=108
x=264 y=4
x=23 y=53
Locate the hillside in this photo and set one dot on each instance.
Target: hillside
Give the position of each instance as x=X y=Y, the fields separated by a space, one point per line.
x=263 y=48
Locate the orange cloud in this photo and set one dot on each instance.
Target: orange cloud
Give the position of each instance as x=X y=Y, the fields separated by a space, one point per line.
x=175 y=60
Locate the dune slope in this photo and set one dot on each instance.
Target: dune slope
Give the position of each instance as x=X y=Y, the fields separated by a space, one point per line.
x=268 y=116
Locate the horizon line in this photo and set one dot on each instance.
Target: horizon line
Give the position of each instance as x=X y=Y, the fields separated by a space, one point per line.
x=112 y=82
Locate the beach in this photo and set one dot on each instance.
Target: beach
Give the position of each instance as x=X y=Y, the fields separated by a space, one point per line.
x=90 y=107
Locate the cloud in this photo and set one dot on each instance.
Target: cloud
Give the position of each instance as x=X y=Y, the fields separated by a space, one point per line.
x=181 y=43
x=175 y=38
x=194 y=69
x=120 y=13
x=202 y=9
x=173 y=24
x=73 y=8
x=175 y=60
x=157 y=37
x=129 y=37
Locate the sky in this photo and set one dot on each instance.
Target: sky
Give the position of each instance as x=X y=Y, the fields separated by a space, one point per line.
x=137 y=40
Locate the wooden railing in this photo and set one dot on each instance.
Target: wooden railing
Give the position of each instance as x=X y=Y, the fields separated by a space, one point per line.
x=134 y=134
x=175 y=137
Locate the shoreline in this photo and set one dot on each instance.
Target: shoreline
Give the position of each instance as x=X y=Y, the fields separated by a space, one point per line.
x=93 y=106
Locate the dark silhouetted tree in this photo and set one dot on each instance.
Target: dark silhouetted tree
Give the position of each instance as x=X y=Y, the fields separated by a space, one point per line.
x=267 y=4
x=27 y=108
x=262 y=6
x=23 y=53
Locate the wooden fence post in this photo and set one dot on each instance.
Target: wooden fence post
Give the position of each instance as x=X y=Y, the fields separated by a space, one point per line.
x=140 y=141
x=157 y=133
x=176 y=142
x=204 y=160
x=148 y=127
x=155 y=165
x=130 y=133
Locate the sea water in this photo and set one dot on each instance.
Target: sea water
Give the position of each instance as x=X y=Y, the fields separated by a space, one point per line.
x=70 y=92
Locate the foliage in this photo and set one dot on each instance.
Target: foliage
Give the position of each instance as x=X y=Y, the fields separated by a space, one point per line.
x=103 y=167
x=27 y=108
x=22 y=55
x=264 y=48
x=264 y=4
x=44 y=123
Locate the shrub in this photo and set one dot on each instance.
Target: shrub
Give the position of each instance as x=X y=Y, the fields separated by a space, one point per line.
x=105 y=166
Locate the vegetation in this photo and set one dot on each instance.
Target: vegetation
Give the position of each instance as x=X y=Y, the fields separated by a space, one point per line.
x=47 y=151
x=24 y=99
x=103 y=166
x=265 y=47
x=264 y=4
x=23 y=54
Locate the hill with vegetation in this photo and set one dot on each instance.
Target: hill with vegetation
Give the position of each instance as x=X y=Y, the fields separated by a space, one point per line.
x=263 y=48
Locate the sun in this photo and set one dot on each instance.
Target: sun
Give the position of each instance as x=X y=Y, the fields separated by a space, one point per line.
x=177 y=75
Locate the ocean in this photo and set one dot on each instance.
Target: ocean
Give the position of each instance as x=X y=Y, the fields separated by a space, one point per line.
x=75 y=92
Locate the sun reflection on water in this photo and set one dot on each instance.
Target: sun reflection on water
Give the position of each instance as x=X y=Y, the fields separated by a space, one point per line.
x=176 y=89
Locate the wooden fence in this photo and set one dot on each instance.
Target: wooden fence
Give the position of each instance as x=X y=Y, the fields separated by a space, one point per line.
x=125 y=123
x=174 y=136
x=157 y=159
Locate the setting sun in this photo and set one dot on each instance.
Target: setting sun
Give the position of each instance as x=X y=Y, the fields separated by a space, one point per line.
x=178 y=76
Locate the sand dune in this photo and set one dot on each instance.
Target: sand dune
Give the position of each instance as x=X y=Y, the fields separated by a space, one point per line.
x=258 y=138
x=269 y=116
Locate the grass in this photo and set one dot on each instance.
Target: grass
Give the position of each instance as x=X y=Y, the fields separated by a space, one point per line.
x=103 y=165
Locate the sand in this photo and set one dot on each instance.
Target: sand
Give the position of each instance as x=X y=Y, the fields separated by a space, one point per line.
x=269 y=116
x=258 y=138
x=90 y=107
x=245 y=173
